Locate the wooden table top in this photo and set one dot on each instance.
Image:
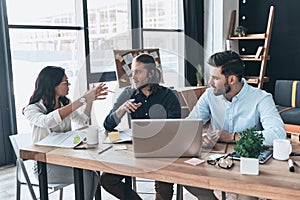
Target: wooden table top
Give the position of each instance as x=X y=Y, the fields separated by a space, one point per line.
x=274 y=180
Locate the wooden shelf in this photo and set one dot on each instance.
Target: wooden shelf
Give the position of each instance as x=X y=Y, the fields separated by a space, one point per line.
x=262 y=53
x=258 y=36
x=252 y=58
x=255 y=79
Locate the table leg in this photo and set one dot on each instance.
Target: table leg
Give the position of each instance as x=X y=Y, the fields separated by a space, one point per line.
x=128 y=188
x=223 y=195
x=43 y=182
x=98 y=191
x=179 y=192
x=78 y=183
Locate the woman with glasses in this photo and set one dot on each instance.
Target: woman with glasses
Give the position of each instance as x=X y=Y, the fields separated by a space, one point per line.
x=49 y=110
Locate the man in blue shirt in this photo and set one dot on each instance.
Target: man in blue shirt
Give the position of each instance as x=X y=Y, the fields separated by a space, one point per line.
x=146 y=99
x=232 y=106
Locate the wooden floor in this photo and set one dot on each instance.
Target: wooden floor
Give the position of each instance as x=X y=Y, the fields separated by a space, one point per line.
x=8 y=188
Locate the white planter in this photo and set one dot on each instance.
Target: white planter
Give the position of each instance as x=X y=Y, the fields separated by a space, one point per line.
x=249 y=166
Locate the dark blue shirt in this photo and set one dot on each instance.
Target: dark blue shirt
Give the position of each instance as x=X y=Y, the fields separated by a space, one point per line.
x=162 y=103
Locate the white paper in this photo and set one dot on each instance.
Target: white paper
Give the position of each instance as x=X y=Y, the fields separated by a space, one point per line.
x=65 y=140
x=128 y=58
x=154 y=54
x=127 y=69
x=120 y=147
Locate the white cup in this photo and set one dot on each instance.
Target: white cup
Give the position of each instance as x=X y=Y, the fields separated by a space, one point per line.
x=281 y=149
x=92 y=135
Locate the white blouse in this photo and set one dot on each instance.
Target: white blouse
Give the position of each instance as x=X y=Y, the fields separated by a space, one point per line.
x=42 y=123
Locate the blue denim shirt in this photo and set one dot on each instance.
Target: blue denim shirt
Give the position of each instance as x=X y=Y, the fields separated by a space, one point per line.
x=250 y=107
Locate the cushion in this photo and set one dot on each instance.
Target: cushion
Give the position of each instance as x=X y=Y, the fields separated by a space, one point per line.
x=287 y=93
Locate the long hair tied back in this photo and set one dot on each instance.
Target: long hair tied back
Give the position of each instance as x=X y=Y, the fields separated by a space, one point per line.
x=150 y=65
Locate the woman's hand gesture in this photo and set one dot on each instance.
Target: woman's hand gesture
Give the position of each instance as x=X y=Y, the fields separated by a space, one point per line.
x=96 y=93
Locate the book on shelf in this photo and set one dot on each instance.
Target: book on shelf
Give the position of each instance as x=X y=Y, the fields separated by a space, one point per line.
x=259 y=52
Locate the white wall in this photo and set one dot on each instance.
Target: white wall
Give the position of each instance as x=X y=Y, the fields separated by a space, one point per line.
x=216 y=24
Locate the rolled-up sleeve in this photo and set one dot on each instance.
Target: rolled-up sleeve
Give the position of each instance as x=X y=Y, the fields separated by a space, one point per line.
x=201 y=110
x=111 y=120
x=36 y=116
x=273 y=127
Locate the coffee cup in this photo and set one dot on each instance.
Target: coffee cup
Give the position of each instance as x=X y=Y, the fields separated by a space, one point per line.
x=281 y=149
x=92 y=135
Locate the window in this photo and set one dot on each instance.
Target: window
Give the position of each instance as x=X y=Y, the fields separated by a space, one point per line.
x=109 y=25
x=53 y=32
x=162 y=28
x=51 y=13
x=41 y=36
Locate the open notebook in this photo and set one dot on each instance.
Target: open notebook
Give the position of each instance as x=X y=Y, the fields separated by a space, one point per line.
x=67 y=140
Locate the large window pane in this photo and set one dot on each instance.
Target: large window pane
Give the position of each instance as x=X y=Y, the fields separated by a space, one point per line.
x=32 y=50
x=109 y=25
x=167 y=18
x=44 y=12
x=171 y=54
x=162 y=14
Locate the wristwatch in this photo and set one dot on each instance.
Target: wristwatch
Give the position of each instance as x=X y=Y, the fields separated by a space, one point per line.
x=82 y=100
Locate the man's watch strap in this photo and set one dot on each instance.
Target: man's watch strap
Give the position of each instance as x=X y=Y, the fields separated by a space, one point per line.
x=234 y=136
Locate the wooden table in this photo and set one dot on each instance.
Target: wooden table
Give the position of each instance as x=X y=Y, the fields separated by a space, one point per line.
x=273 y=182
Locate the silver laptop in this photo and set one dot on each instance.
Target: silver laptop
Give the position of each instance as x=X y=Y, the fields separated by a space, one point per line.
x=166 y=137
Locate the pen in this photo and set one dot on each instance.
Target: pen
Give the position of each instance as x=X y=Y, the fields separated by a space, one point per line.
x=109 y=91
x=82 y=148
x=105 y=149
x=295 y=154
x=291 y=165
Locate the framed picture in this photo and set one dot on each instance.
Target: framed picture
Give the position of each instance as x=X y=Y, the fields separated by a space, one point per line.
x=123 y=59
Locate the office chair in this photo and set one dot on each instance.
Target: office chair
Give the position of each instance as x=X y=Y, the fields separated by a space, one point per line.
x=24 y=168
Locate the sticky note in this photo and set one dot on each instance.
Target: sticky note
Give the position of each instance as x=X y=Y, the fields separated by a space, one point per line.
x=76 y=139
x=194 y=161
x=114 y=136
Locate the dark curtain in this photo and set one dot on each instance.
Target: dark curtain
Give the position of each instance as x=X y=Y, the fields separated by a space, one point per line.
x=136 y=24
x=193 y=29
x=7 y=116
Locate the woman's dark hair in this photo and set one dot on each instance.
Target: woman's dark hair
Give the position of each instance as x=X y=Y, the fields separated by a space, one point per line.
x=45 y=84
x=150 y=65
x=230 y=62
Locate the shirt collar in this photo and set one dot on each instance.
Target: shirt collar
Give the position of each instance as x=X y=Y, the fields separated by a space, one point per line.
x=139 y=92
x=243 y=91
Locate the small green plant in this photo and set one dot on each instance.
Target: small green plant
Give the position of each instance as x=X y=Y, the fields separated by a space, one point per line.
x=240 y=30
x=199 y=75
x=250 y=144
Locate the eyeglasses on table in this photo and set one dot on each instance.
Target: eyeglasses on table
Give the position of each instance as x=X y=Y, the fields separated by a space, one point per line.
x=224 y=162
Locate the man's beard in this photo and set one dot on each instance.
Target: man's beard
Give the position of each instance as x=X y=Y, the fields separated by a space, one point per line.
x=224 y=90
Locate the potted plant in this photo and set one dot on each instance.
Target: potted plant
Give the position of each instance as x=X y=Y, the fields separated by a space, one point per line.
x=199 y=75
x=240 y=31
x=249 y=147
